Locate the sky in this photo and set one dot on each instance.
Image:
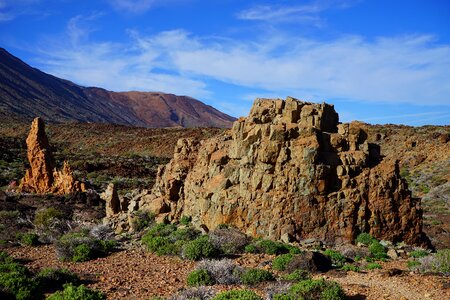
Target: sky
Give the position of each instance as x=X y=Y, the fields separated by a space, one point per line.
x=377 y=61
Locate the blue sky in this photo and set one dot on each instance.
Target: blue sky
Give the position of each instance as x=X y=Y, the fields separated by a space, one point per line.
x=377 y=61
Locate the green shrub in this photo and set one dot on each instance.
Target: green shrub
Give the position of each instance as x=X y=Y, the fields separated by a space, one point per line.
x=412 y=264
x=160 y=229
x=199 y=277
x=336 y=257
x=81 y=246
x=142 y=219
x=365 y=238
x=297 y=275
x=29 y=239
x=250 y=248
x=185 y=220
x=377 y=250
x=349 y=267
x=81 y=292
x=373 y=266
x=55 y=278
x=254 y=276
x=199 y=248
x=313 y=289
x=441 y=262
x=44 y=218
x=160 y=245
x=237 y=295
x=280 y=262
x=15 y=279
x=418 y=253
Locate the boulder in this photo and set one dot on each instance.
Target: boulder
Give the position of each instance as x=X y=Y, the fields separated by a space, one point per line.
x=289 y=169
x=111 y=198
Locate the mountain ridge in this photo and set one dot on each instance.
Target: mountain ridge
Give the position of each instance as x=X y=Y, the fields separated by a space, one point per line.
x=28 y=92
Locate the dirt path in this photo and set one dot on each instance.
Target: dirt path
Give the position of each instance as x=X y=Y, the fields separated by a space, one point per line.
x=137 y=274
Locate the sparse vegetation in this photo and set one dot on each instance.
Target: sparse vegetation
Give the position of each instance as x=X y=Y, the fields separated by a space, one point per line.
x=365 y=239
x=297 y=275
x=313 y=289
x=237 y=295
x=349 y=267
x=228 y=240
x=373 y=266
x=336 y=257
x=72 y=292
x=254 y=276
x=223 y=271
x=418 y=253
x=29 y=239
x=280 y=262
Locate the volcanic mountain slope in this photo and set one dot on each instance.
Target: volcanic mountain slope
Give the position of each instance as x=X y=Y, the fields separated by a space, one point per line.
x=28 y=92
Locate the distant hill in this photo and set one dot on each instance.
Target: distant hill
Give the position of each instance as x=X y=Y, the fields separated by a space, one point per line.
x=28 y=92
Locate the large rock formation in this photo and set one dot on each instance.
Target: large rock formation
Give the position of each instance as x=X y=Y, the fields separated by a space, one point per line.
x=289 y=170
x=42 y=177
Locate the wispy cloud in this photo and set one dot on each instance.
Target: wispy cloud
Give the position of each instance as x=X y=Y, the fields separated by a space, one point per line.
x=139 y=6
x=293 y=13
x=409 y=69
x=11 y=9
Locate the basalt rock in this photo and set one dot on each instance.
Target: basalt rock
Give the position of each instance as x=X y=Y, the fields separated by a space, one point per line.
x=42 y=177
x=289 y=169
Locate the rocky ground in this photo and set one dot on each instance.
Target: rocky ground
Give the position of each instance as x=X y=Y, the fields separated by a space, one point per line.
x=138 y=274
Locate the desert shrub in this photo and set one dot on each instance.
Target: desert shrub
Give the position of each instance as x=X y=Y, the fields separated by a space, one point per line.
x=365 y=238
x=377 y=250
x=161 y=229
x=45 y=217
x=199 y=277
x=8 y=217
x=313 y=289
x=185 y=220
x=16 y=280
x=80 y=292
x=281 y=261
x=184 y=234
x=198 y=293
x=270 y=247
x=412 y=264
x=29 y=239
x=48 y=279
x=102 y=232
x=81 y=246
x=164 y=239
x=199 y=248
x=237 y=295
x=228 y=240
x=142 y=219
x=418 y=253
x=50 y=224
x=222 y=271
x=373 y=266
x=337 y=259
x=349 y=267
x=254 y=276
x=439 y=262
x=297 y=275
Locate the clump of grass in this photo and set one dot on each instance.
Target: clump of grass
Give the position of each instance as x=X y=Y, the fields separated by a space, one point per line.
x=373 y=266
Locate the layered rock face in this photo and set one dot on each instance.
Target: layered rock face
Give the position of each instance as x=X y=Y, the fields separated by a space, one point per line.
x=42 y=177
x=289 y=170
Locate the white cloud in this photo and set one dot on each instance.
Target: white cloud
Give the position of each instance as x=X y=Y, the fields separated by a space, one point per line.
x=409 y=69
x=308 y=13
x=139 y=6
x=11 y=9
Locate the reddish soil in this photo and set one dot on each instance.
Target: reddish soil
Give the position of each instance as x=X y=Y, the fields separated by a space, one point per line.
x=137 y=274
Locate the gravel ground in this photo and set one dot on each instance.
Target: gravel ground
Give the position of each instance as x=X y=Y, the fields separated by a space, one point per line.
x=137 y=274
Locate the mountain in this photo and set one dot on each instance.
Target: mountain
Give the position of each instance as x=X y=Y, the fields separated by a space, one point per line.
x=28 y=92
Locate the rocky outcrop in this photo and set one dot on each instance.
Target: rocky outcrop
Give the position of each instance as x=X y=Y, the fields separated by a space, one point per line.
x=289 y=170
x=42 y=176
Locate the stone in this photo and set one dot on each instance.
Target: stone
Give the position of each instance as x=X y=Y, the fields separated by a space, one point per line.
x=392 y=253
x=311 y=261
x=111 y=198
x=42 y=176
x=289 y=168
